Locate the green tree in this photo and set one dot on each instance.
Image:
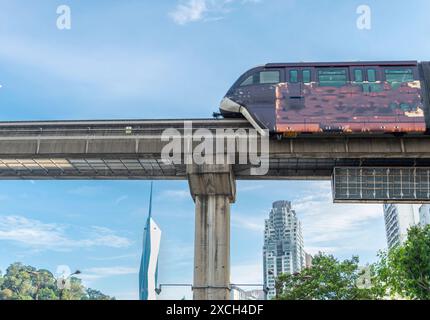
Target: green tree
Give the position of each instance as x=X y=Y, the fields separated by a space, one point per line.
x=22 y=282
x=75 y=291
x=404 y=271
x=47 y=294
x=328 y=279
x=97 y=295
x=19 y=281
x=44 y=283
x=6 y=294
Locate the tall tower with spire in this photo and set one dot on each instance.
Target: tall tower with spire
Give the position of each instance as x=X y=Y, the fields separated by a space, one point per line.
x=148 y=275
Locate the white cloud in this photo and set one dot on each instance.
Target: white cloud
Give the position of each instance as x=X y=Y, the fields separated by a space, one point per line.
x=104 y=272
x=315 y=250
x=176 y=254
x=175 y=194
x=100 y=236
x=31 y=232
x=203 y=10
x=327 y=227
x=89 y=275
x=325 y=223
x=247 y=222
x=192 y=10
x=251 y=273
x=51 y=236
x=121 y=199
x=249 y=188
x=118 y=257
x=86 y=190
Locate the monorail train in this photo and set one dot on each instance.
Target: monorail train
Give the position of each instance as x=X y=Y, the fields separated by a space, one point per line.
x=351 y=97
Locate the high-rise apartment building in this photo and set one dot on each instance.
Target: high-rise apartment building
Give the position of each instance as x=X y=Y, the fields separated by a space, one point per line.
x=399 y=218
x=283 y=251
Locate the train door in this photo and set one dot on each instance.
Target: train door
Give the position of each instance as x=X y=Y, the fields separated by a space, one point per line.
x=378 y=116
x=357 y=100
x=331 y=98
x=373 y=80
x=291 y=110
x=293 y=79
x=295 y=91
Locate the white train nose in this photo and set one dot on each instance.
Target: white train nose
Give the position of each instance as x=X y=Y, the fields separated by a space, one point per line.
x=229 y=105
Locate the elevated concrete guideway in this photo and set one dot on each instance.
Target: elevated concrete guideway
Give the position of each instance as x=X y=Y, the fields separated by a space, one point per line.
x=132 y=149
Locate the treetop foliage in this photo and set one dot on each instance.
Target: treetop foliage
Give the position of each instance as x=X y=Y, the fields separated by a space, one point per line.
x=21 y=282
x=401 y=273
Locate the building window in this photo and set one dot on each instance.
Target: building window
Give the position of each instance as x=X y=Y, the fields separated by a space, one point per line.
x=332 y=77
x=294 y=76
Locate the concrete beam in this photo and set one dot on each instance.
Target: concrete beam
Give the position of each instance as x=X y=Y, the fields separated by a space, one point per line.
x=212 y=180
x=213 y=189
x=303 y=157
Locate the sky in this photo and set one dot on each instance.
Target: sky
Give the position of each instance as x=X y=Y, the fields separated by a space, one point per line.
x=174 y=59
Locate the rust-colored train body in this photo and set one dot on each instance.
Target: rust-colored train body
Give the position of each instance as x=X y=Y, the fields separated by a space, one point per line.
x=354 y=97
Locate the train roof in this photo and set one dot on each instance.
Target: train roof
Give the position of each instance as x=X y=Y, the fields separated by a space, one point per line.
x=342 y=64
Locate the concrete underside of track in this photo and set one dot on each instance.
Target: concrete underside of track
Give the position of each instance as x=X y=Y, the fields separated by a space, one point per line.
x=131 y=149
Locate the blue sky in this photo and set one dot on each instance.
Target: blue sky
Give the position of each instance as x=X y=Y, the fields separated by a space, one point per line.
x=173 y=59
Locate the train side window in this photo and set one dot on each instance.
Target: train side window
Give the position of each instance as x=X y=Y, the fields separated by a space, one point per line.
x=306 y=76
x=263 y=77
x=294 y=76
x=399 y=75
x=249 y=81
x=332 y=77
x=371 y=75
x=270 y=77
x=358 y=75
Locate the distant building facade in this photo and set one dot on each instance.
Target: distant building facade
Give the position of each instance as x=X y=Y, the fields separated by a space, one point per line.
x=283 y=251
x=237 y=293
x=399 y=218
x=308 y=260
x=425 y=215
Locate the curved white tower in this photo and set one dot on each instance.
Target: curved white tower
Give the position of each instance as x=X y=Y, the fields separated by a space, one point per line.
x=149 y=265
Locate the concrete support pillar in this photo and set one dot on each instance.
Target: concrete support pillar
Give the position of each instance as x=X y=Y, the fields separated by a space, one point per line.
x=213 y=189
